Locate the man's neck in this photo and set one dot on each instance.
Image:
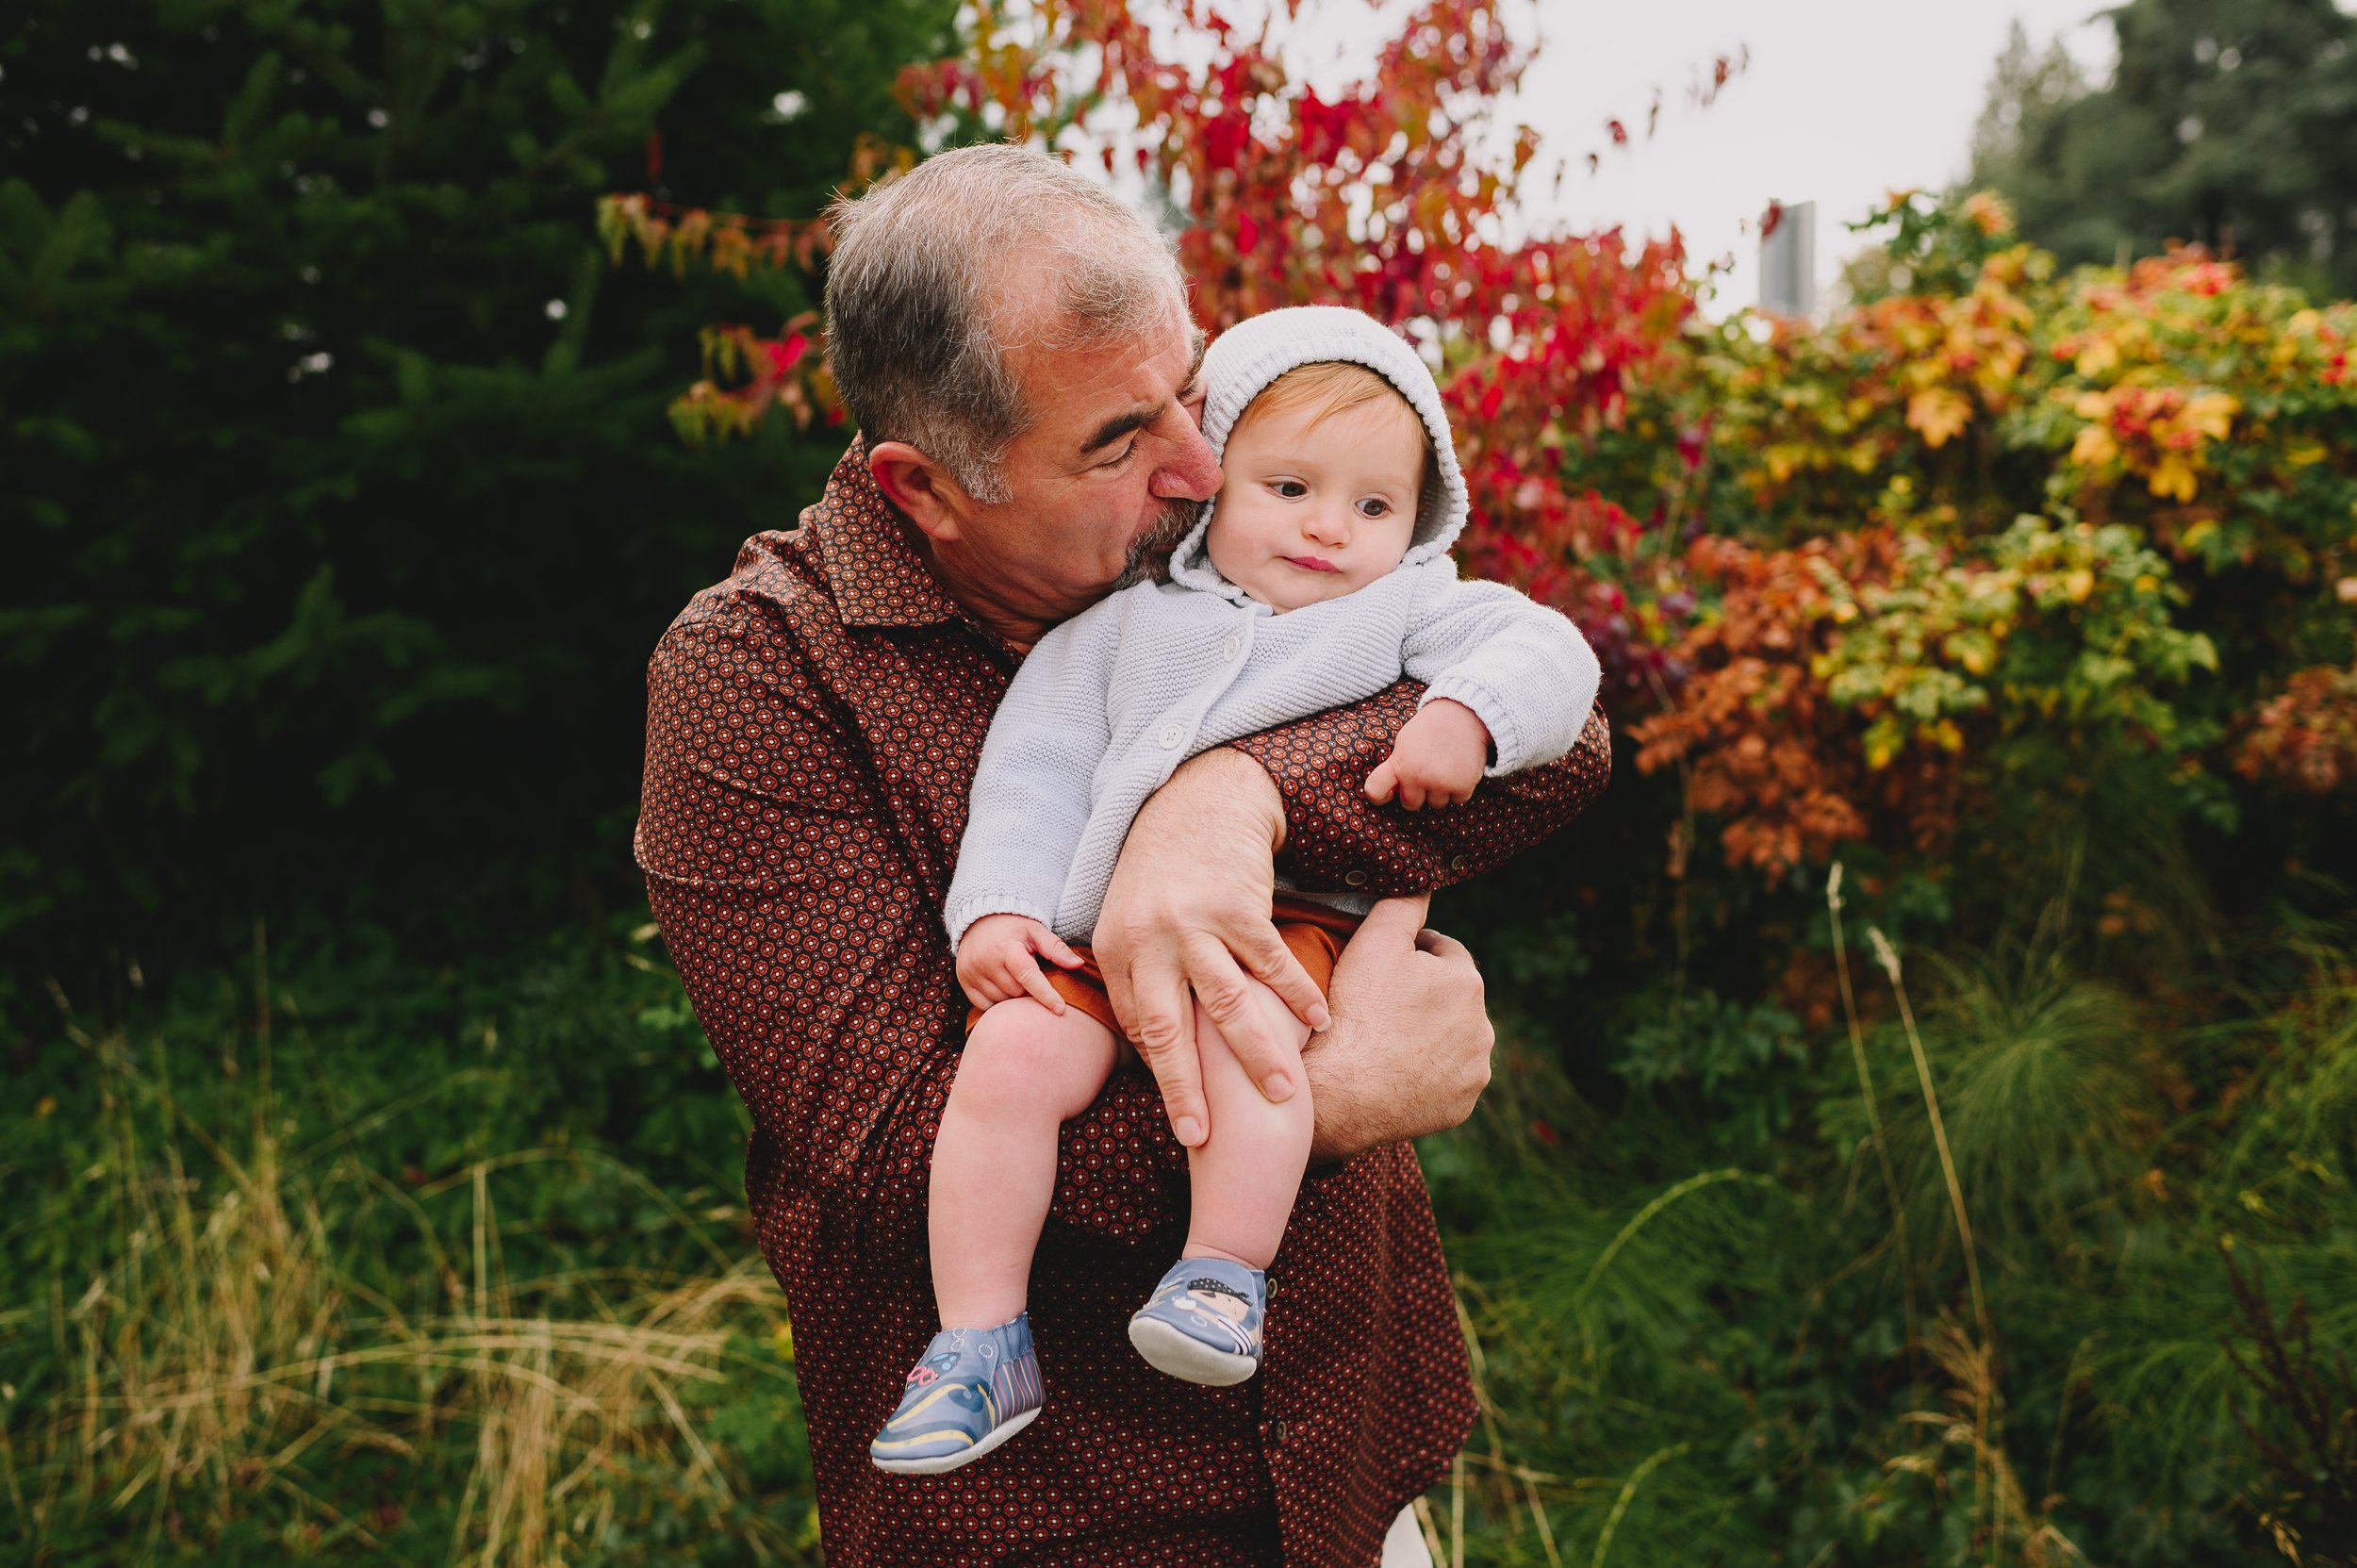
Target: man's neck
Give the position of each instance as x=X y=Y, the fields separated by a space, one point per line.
x=1018 y=624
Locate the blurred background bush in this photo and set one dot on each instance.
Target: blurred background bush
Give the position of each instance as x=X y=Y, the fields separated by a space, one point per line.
x=1929 y=1093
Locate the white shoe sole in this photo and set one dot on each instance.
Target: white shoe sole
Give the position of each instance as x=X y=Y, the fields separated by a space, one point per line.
x=1166 y=1349
x=942 y=1464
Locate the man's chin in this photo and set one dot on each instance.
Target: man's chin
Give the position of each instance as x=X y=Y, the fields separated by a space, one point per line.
x=1149 y=557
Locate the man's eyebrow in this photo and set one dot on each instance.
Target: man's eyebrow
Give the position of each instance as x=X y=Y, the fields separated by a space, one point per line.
x=1138 y=419
x=1119 y=425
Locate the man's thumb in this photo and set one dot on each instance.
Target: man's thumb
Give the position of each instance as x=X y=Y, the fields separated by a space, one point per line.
x=1397 y=919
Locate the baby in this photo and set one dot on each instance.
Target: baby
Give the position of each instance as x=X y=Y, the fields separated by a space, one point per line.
x=1318 y=575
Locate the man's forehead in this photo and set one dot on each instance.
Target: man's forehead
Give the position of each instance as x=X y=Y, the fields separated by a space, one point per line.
x=1089 y=396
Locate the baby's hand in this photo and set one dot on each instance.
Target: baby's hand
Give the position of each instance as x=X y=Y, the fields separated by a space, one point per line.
x=1437 y=759
x=995 y=963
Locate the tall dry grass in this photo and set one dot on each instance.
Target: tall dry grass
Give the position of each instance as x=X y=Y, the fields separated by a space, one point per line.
x=238 y=1351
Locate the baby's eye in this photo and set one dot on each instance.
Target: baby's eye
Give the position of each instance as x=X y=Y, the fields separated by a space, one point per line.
x=1292 y=489
x=1374 y=507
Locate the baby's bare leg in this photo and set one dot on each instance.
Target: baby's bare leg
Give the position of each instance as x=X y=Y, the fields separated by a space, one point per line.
x=1025 y=1072
x=1247 y=1174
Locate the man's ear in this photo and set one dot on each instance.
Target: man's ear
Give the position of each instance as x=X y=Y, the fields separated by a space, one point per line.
x=919 y=487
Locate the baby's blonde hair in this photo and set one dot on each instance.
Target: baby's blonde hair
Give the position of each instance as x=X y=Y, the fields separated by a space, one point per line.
x=1334 y=387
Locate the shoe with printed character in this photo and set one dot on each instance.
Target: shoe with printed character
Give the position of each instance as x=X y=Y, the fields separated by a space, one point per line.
x=971 y=1391
x=1203 y=1322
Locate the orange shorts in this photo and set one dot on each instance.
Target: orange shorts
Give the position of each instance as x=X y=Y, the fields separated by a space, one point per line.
x=1312 y=931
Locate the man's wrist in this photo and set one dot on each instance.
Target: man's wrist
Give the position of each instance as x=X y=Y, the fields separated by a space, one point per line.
x=1227 y=787
x=1339 y=1127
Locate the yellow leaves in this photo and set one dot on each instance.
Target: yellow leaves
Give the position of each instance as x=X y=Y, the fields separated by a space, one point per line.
x=2003 y=363
x=2094 y=448
x=1939 y=413
x=1884 y=738
x=2172 y=477
x=2158 y=432
x=1988 y=213
x=2077 y=585
x=2100 y=357
x=1974 y=648
x=2210 y=415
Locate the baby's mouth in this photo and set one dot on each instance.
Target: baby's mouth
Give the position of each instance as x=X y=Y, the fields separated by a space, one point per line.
x=1311 y=563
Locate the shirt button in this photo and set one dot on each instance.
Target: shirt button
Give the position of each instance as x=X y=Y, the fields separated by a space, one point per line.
x=1278 y=1432
x=1355 y=878
x=1234 y=648
x=1172 y=735
x=1458 y=863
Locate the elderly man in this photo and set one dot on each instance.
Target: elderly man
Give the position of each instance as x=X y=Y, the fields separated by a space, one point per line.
x=1013 y=345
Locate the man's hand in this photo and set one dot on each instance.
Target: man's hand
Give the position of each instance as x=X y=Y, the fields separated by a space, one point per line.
x=1437 y=759
x=1408 y=1053
x=996 y=961
x=1186 y=918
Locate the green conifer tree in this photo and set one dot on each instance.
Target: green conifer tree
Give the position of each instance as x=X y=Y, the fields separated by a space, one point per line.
x=2231 y=123
x=341 y=504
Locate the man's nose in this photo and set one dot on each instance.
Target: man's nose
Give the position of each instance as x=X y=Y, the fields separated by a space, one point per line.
x=1188 y=472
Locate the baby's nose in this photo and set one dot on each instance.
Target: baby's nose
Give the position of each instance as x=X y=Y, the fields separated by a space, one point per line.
x=1328 y=525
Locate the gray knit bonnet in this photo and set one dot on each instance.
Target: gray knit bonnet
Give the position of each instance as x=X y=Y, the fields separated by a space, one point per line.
x=1242 y=362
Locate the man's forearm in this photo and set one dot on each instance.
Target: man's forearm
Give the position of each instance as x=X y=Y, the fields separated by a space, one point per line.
x=1334 y=836
x=1223 y=797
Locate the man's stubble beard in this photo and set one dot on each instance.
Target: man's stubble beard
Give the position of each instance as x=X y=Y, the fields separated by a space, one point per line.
x=1148 y=560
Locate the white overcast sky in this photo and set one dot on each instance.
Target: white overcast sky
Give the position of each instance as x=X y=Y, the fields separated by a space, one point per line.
x=1843 y=100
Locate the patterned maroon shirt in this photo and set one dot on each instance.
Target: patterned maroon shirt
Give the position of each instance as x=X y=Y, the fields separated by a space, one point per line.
x=811 y=728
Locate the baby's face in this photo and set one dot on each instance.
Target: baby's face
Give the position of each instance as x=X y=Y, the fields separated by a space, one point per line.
x=1314 y=506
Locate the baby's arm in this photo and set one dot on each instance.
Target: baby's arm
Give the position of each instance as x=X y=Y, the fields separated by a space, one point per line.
x=1031 y=796
x=1509 y=684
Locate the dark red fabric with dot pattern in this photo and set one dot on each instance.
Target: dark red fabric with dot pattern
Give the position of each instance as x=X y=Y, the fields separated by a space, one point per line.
x=812 y=729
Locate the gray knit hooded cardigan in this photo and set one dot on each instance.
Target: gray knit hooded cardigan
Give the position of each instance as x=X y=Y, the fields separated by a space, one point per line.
x=1109 y=702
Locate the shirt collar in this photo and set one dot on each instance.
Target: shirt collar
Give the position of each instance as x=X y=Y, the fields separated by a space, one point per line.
x=868 y=551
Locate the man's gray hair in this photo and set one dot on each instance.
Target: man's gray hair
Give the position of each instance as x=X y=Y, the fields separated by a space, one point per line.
x=920 y=324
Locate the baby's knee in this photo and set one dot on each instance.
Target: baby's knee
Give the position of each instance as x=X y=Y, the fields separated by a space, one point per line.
x=1022 y=1056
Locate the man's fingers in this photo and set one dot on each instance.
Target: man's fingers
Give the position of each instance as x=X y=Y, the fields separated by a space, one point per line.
x=1393 y=924
x=1441 y=945
x=1273 y=965
x=1163 y=1027
x=1451 y=952
x=1227 y=997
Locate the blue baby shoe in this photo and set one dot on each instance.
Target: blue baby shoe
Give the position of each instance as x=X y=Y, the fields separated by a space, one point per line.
x=971 y=1391
x=1203 y=1322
